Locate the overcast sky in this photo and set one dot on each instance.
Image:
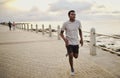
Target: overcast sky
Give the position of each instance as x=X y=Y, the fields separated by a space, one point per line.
x=56 y=10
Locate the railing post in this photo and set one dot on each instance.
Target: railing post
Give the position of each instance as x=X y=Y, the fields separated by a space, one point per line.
x=50 y=31
x=19 y=26
x=92 y=42
x=31 y=27
x=43 y=31
x=24 y=26
x=27 y=27
x=36 y=28
x=58 y=31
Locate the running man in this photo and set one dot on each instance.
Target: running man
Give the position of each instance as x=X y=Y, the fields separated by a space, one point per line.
x=71 y=38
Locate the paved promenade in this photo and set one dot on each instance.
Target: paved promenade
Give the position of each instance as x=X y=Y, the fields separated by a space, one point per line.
x=26 y=54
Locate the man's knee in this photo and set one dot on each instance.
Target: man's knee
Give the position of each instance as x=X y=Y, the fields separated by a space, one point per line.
x=76 y=56
x=71 y=55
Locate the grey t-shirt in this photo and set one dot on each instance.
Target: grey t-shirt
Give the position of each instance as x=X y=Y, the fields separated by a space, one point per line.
x=71 y=31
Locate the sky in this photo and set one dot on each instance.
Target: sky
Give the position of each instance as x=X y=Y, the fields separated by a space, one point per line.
x=56 y=10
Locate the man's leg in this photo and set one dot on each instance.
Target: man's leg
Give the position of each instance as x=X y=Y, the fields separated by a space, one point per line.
x=70 y=53
x=76 y=51
x=71 y=61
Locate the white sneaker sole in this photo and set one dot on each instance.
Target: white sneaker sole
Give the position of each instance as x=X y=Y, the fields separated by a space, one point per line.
x=72 y=73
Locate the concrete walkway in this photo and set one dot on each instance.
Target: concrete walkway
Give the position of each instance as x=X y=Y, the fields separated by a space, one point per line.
x=29 y=55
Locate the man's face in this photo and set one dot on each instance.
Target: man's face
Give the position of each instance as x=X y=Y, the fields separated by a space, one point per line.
x=72 y=15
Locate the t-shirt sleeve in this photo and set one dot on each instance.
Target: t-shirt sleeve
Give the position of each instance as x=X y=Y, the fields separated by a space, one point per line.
x=63 y=27
x=80 y=26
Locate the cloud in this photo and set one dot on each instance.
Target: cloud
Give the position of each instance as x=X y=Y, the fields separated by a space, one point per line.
x=100 y=17
x=101 y=6
x=58 y=12
x=2 y=2
x=107 y=17
x=7 y=13
x=64 y=5
x=34 y=14
x=5 y=10
x=116 y=12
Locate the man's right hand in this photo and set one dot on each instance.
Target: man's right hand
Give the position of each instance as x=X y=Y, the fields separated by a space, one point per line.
x=66 y=42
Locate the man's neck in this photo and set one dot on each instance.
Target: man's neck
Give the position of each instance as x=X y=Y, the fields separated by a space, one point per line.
x=72 y=20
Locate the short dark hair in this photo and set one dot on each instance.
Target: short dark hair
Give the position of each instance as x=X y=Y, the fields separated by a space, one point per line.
x=70 y=12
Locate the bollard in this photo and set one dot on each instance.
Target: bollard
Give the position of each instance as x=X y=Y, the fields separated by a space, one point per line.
x=92 y=42
x=36 y=28
x=27 y=27
x=20 y=26
x=50 y=31
x=24 y=27
x=58 y=31
x=43 y=31
x=31 y=27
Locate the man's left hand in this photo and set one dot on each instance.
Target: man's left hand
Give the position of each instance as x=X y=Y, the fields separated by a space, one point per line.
x=81 y=42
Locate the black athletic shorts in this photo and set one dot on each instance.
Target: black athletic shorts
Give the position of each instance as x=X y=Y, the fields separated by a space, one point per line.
x=73 y=48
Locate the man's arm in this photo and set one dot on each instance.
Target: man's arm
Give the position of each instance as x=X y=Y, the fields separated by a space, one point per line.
x=81 y=37
x=63 y=37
